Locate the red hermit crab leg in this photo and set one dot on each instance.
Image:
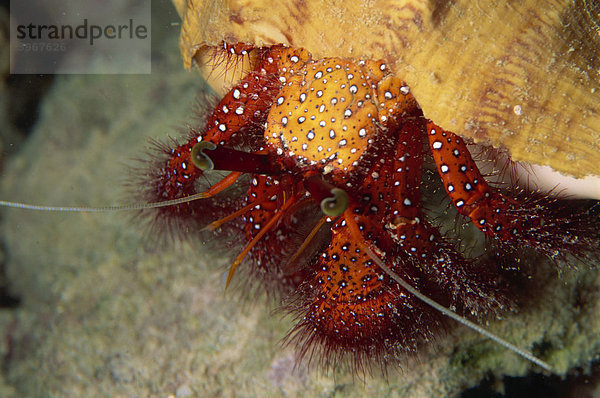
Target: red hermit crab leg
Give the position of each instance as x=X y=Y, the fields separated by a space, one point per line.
x=539 y=221
x=266 y=228
x=237 y=119
x=350 y=304
x=223 y=126
x=333 y=202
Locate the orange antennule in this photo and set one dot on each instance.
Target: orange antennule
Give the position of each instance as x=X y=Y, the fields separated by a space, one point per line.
x=266 y=228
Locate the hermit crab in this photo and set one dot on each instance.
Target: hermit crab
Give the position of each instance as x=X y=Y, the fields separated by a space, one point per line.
x=509 y=93
x=330 y=213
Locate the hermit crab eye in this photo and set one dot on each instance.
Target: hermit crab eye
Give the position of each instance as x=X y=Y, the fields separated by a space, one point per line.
x=335 y=205
x=199 y=159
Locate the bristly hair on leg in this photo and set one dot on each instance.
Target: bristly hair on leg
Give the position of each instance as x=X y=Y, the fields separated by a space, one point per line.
x=177 y=222
x=561 y=229
x=229 y=62
x=551 y=222
x=496 y=165
x=186 y=220
x=515 y=217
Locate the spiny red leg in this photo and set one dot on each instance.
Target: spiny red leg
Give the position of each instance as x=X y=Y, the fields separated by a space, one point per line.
x=396 y=192
x=464 y=184
x=238 y=120
x=268 y=255
x=243 y=108
x=353 y=305
x=539 y=221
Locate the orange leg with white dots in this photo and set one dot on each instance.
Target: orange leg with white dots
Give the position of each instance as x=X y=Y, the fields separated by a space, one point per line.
x=492 y=212
x=238 y=117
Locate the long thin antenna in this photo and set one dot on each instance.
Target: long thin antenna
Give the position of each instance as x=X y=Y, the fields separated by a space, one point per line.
x=83 y=209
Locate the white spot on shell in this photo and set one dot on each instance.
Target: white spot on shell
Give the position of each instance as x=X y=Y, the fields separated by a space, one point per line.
x=518 y=110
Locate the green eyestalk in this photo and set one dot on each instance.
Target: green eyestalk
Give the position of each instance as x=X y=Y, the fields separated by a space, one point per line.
x=199 y=158
x=335 y=205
